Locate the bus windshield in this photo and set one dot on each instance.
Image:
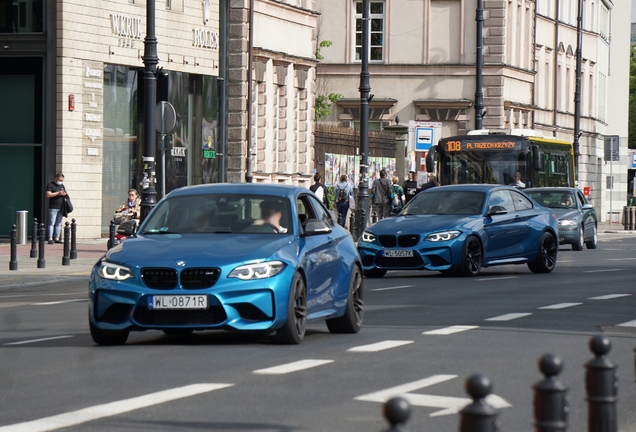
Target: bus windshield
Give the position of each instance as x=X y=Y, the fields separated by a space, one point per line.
x=475 y=167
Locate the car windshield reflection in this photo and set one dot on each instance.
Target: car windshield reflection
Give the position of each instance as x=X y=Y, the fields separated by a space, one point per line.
x=554 y=199
x=445 y=203
x=220 y=214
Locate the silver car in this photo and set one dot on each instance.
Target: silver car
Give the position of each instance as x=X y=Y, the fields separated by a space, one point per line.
x=578 y=224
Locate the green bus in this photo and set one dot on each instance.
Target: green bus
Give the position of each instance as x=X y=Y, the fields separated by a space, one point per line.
x=491 y=157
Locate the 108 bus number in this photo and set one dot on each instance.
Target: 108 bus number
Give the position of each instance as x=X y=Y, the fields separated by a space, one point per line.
x=453 y=146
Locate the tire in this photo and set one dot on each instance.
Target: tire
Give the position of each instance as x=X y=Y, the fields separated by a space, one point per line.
x=178 y=332
x=578 y=246
x=108 y=337
x=293 y=331
x=374 y=273
x=591 y=244
x=546 y=255
x=352 y=319
x=472 y=257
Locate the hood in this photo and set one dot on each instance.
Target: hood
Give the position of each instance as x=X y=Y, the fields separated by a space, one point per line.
x=196 y=249
x=421 y=223
x=563 y=214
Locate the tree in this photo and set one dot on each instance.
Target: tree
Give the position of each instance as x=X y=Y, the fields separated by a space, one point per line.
x=324 y=102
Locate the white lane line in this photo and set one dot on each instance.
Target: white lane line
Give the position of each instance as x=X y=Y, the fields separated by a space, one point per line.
x=608 y=297
x=628 y=324
x=508 y=317
x=384 y=395
x=497 y=278
x=42 y=295
x=59 y=302
x=39 y=340
x=559 y=261
x=620 y=259
x=450 y=330
x=74 y=418
x=380 y=346
x=292 y=367
x=601 y=271
x=392 y=288
x=560 y=306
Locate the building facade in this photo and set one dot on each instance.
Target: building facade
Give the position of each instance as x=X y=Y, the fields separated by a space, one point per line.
x=422 y=67
x=270 y=108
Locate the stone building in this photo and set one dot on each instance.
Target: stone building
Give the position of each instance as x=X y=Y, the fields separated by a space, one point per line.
x=422 y=68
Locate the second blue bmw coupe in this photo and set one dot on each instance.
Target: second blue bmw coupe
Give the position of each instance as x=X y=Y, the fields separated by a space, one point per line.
x=459 y=229
x=238 y=257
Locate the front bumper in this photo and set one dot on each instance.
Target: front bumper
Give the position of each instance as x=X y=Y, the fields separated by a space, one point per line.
x=434 y=257
x=568 y=235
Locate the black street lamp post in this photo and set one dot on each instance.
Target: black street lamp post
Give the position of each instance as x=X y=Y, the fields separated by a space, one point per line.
x=365 y=89
x=150 y=60
x=577 y=89
x=479 y=94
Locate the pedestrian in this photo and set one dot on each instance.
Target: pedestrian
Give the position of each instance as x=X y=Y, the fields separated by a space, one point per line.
x=432 y=182
x=320 y=190
x=381 y=194
x=517 y=181
x=410 y=187
x=55 y=192
x=342 y=194
x=398 y=196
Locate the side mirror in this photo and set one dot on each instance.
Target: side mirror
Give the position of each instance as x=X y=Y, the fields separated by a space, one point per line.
x=497 y=210
x=315 y=227
x=587 y=206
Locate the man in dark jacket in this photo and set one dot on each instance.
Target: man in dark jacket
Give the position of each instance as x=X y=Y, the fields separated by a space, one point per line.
x=320 y=190
x=381 y=194
x=432 y=182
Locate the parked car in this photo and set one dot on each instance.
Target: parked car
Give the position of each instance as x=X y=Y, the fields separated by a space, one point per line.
x=459 y=229
x=577 y=217
x=237 y=257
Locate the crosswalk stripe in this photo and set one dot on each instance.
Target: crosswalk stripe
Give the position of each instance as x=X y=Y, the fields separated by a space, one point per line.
x=560 y=306
x=450 y=330
x=392 y=288
x=508 y=317
x=292 y=367
x=59 y=302
x=39 y=340
x=608 y=297
x=601 y=271
x=379 y=346
x=628 y=324
x=96 y=412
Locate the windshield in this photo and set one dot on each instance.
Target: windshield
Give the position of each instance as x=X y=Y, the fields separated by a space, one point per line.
x=554 y=199
x=445 y=203
x=220 y=213
x=494 y=167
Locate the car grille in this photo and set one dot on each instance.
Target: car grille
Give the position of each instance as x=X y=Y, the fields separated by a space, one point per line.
x=387 y=240
x=159 y=278
x=199 y=278
x=212 y=315
x=409 y=240
x=401 y=262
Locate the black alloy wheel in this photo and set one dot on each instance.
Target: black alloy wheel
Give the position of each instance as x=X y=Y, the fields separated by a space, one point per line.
x=293 y=331
x=546 y=256
x=352 y=319
x=472 y=257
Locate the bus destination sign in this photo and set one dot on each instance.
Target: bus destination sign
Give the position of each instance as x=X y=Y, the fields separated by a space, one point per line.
x=458 y=146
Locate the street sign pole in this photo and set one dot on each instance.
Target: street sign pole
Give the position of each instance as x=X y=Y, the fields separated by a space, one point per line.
x=365 y=90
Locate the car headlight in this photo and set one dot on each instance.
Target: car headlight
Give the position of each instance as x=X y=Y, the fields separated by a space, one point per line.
x=367 y=237
x=114 y=271
x=567 y=222
x=257 y=271
x=442 y=236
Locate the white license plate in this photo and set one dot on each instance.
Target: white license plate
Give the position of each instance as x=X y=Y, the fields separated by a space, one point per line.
x=178 y=302
x=397 y=253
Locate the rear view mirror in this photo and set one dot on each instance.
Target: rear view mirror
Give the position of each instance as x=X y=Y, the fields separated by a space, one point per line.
x=537 y=160
x=497 y=210
x=587 y=206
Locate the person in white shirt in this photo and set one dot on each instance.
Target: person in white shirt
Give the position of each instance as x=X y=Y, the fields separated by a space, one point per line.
x=518 y=182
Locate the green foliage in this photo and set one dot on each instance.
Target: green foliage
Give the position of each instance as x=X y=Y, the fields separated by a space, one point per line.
x=322 y=44
x=632 y=99
x=322 y=106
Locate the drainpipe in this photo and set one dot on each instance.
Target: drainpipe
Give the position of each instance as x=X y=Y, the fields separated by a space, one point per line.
x=248 y=156
x=556 y=66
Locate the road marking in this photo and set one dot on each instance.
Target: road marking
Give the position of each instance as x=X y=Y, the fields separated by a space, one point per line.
x=392 y=288
x=497 y=278
x=39 y=340
x=74 y=418
x=620 y=259
x=41 y=295
x=600 y=271
x=380 y=346
x=608 y=297
x=508 y=317
x=628 y=324
x=559 y=261
x=13 y=304
x=59 y=302
x=560 y=306
x=450 y=330
x=450 y=405
x=292 y=367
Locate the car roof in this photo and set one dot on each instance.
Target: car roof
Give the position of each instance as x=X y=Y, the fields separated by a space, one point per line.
x=240 y=189
x=485 y=187
x=551 y=189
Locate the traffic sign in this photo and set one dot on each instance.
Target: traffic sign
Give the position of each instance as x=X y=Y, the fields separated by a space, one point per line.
x=424 y=138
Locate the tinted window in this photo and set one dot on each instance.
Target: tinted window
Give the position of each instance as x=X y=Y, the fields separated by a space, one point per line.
x=520 y=202
x=553 y=198
x=581 y=198
x=445 y=202
x=503 y=199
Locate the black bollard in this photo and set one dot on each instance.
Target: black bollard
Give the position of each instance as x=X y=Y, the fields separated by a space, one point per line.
x=601 y=387
x=396 y=411
x=550 y=400
x=13 y=264
x=374 y=217
x=66 y=258
x=478 y=416
x=34 y=239
x=352 y=222
x=41 y=260
x=73 y=239
x=111 y=233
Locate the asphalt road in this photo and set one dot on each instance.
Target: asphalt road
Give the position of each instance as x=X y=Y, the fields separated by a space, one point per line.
x=53 y=376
